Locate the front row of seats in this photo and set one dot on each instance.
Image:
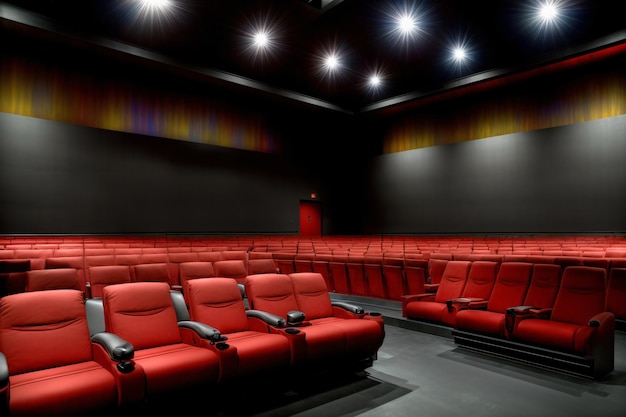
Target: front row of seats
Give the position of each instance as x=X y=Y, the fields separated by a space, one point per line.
x=145 y=344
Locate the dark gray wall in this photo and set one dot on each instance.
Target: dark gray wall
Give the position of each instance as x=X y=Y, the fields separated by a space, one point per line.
x=568 y=179
x=57 y=178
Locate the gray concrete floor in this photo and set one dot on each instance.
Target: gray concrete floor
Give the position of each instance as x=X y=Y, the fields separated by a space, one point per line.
x=424 y=374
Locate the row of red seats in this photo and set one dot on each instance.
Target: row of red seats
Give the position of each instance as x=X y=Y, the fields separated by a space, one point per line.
x=165 y=266
x=142 y=343
x=388 y=276
x=490 y=305
x=425 y=244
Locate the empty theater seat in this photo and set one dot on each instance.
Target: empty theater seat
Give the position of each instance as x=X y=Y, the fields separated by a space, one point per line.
x=333 y=334
x=509 y=290
x=262 y=266
x=218 y=303
x=578 y=322
x=194 y=270
x=53 y=279
x=143 y=313
x=102 y=276
x=51 y=367
x=234 y=268
x=431 y=306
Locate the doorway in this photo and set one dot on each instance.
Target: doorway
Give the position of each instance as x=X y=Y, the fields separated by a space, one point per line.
x=310 y=218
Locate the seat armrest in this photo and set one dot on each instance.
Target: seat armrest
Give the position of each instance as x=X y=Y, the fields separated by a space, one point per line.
x=461 y=303
x=4 y=372
x=431 y=287
x=601 y=318
x=203 y=330
x=117 y=348
x=416 y=297
x=354 y=309
x=269 y=318
x=295 y=318
x=515 y=314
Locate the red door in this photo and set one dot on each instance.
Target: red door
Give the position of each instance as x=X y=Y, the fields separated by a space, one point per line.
x=310 y=218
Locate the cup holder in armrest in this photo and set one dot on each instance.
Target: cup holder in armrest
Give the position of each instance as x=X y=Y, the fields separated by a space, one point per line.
x=222 y=346
x=292 y=330
x=375 y=314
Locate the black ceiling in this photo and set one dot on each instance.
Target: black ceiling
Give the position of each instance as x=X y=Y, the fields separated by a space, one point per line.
x=211 y=36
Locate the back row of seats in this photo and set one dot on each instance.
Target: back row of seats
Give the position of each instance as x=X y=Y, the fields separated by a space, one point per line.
x=141 y=343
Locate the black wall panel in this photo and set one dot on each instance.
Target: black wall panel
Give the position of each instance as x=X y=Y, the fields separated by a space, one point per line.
x=57 y=178
x=569 y=179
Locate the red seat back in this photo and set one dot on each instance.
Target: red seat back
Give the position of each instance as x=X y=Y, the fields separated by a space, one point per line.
x=194 y=270
x=453 y=280
x=44 y=329
x=53 y=279
x=581 y=295
x=102 y=276
x=141 y=313
x=510 y=287
x=272 y=293
x=218 y=303
x=311 y=294
x=480 y=279
x=544 y=285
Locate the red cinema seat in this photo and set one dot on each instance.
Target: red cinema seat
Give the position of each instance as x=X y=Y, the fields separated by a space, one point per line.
x=102 y=276
x=430 y=306
x=578 y=323
x=53 y=279
x=393 y=274
x=285 y=261
x=544 y=286
x=415 y=271
x=477 y=290
x=356 y=275
x=75 y=262
x=53 y=368
x=436 y=267
x=274 y=294
x=339 y=272
x=194 y=270
x=509 y=290
x=262 y=266
x=143 y=313
x=364 y=333
x=158 y=272
x=374 y=277
x=218 y=303
x=234 y=268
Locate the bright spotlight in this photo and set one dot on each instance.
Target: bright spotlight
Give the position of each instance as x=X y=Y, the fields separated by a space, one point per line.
x=261 y=40
x=375 y=80
x=155 y=4
x=548 y=12
x=407 y=24
x=331 y=62
x=459 y=54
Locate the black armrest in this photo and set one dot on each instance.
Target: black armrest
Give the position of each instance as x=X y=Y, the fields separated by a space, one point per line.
x=594 y=323
x=349 y=307
x=295 y=317
x=203 y=330
x=519 y=309
x=117 y=348
x=4 y=371
x=269 y=318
